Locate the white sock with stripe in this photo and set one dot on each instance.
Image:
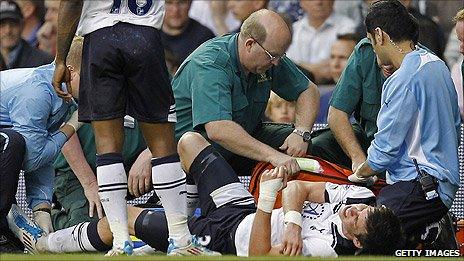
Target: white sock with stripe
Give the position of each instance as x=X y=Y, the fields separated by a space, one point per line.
x=112 y=189
x=170 y=186
x=71 y=239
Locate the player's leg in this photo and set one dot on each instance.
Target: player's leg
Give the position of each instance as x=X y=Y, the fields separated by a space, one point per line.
x=12 y=149
x=223 y=199
x=151 y=102
x=102 y=100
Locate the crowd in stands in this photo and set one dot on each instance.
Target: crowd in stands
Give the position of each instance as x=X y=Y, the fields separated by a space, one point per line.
x=323 y=32
x=326 y=69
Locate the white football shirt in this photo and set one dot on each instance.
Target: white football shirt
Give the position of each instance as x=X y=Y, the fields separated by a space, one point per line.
x=104 y=13
x=319 y=222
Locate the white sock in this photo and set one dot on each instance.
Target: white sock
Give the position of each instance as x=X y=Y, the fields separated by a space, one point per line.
x=192 y=199
x=169 y=184
x=71 y=239
x=112 y=189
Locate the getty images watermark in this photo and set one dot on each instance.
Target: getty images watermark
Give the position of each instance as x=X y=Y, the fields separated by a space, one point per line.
x=428 y=252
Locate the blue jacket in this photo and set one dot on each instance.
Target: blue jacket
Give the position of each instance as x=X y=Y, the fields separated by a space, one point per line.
x=31 y=107
x=419 y=118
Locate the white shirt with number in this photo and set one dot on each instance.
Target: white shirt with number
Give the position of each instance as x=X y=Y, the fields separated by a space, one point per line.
x=97 y=14
x=319 y=222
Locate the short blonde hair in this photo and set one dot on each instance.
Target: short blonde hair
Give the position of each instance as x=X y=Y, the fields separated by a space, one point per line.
x=459 y=16
x=274 y=99
x=74 y=57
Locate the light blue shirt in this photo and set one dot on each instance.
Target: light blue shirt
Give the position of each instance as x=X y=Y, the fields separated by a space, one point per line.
x=419 y=118
x=31 y=107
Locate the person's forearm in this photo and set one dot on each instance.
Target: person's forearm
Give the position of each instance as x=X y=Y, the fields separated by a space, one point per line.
x=298 y=191
x=68 y=19
x=234 y=138
x=307 y=108
x=260 y=237
x=72 y=151
x=340 y=125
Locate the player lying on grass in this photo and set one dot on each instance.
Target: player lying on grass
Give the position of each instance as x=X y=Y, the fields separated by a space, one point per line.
x=317 y=218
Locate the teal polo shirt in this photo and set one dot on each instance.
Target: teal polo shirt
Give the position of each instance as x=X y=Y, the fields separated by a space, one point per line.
x=360 y=88
x=211 y=85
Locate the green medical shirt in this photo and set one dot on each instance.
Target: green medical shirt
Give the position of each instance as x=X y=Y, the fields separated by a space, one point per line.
x=360 y=88
x=134 y=144
x=211 y=85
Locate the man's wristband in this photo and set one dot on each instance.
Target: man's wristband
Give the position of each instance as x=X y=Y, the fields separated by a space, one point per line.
x=294 y=217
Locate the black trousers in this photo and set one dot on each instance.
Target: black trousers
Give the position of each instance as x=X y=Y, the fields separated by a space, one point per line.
x=408 y=202
x=12 y=149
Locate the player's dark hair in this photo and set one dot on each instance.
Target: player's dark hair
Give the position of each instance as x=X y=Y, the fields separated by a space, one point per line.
x=394 y=19
x=384 y=234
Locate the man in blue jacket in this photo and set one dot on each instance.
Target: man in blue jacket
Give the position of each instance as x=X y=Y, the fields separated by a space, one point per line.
x=32 y=134
x=418 y=123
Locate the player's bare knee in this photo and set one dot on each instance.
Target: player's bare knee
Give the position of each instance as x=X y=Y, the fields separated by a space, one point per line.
x=189 y=141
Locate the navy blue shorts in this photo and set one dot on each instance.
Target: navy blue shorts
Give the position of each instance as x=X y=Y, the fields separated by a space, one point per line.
x=407 y=200
x=124 y=72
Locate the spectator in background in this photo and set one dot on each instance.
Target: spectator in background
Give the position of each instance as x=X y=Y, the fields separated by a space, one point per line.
x=451 y=54
x=172 y=62
x=290 y=8
x=440 y=12
x=314 y=35
x=430 y=33
x=214 y=15
x=279 y=110
x=241 y=9
x=16 y=52
x=33 y=12
x=339 y=54
x=47 y=33
x=180 y=33
x=457 y=71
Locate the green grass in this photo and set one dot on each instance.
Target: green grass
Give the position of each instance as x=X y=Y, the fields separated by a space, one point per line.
x=71 y=257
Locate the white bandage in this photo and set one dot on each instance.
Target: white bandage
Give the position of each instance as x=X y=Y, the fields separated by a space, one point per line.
x=268 y=194
x=294 y=217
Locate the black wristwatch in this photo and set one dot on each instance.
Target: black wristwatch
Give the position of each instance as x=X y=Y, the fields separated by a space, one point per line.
x=306 y=135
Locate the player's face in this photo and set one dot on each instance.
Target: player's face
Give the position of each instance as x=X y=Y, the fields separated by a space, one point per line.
x=354 y=218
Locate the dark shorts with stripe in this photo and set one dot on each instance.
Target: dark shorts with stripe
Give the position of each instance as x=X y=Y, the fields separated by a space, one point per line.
x=124 y=72
x=224 y=203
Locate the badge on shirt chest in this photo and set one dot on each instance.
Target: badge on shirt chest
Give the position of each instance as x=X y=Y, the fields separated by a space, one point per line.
x=263 y=77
